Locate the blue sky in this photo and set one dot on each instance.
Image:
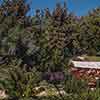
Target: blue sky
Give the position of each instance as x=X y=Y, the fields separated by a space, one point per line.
x=79 y=7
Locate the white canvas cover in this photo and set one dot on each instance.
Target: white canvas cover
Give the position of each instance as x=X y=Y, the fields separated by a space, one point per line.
x=86 y=64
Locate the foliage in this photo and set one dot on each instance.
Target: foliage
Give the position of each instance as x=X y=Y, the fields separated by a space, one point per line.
x=31 y=46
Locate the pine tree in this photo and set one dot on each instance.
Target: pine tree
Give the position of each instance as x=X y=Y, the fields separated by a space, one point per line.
x=12 y=14
x=90 y=33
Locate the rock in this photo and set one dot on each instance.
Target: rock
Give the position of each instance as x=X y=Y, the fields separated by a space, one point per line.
x=3 y=95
